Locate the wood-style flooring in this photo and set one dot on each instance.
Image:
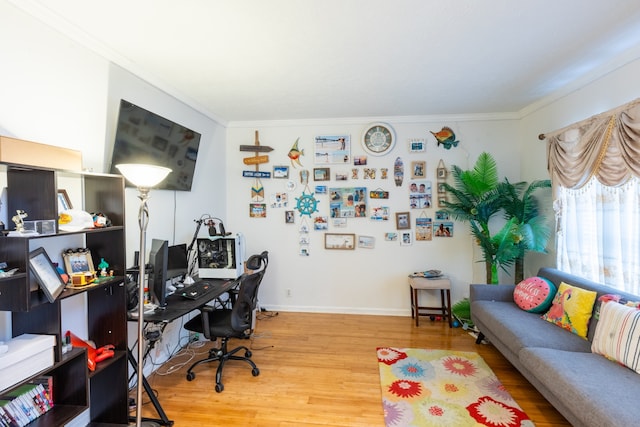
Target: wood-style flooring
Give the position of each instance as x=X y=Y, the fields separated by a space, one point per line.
x=318 y=370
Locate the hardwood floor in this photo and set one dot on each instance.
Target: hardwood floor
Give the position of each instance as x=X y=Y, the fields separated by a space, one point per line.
x=318 y=370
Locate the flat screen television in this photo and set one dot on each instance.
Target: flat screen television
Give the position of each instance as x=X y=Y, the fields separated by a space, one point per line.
x=145 y=137
x=159 y=260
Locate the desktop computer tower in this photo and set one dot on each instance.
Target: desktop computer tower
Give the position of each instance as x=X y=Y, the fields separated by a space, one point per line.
x=221 y=257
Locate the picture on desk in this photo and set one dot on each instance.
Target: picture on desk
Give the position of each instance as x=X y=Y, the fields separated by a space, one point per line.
x=78 y=261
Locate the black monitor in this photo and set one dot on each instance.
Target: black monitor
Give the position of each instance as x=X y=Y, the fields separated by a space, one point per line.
x=177 y=264
x=159 y=260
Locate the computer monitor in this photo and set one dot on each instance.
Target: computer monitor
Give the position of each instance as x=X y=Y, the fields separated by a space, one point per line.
x=159 y=260
x=177 y=263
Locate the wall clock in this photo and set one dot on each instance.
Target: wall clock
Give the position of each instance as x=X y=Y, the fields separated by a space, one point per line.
x=378 y=139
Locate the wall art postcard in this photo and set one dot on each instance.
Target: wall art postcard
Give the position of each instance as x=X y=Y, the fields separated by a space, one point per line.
x=424 y=228
x=420 y=194
x=257 y=210
x=443 y=228
x=349 y=202
x=367 y=242
x=391 y=236
x=333 y=149
x=279 y=200
x=380 y=213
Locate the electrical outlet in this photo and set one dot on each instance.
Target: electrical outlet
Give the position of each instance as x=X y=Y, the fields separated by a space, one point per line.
x=288 y=292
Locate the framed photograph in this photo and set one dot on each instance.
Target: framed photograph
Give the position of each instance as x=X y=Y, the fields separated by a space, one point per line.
x=418 y=169
x=333 y=149
x=403 y=221
x=321 y=174
x=367 y=242
x=441 y=188
x=257 y=210
x=289 y=217
x=281 y=172
x=417 y=145
x=64 y=203
x=77 y=261
x=443 y=228
x=441 y=172
x=407 y=238
x=46 y=274
x=340 y=241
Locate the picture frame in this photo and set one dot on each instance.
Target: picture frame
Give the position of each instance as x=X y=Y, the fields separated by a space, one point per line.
x=418 y=169
x=46 y=274
x=417 y=145
x=77 y=261
x=333 y=149
x=339 y=241
x=289 y=217
x=403 y=221
x=64 y=203
x=257 y=210
x=281 y=172
x=321 y=174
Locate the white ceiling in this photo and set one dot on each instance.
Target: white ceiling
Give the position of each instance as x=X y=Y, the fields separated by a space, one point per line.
x=239 y=60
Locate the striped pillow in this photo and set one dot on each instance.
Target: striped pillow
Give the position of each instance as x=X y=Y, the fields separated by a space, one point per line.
x=617 y=335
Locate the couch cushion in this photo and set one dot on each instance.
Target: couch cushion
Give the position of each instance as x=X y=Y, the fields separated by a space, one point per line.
x=571 y=309
x=600 y=392
x=534 y=294
x=617 y=335
x=517 y=328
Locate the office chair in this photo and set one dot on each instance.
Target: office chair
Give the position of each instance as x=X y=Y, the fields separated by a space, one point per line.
x=235 y=322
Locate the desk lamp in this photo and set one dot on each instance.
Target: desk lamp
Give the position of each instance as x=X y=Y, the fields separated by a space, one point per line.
x=144 y=177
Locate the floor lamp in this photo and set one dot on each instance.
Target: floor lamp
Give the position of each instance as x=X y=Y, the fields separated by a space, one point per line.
x=144 y=177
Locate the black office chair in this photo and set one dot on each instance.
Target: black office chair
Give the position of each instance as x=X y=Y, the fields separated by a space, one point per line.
x=235 y=322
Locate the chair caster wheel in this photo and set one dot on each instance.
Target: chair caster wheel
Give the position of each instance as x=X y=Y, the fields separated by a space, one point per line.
x=255 y=372
x=219 y=388
x=247 y=353
x=190 y=376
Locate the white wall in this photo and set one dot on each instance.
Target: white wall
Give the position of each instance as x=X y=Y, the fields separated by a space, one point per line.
x=363 y=280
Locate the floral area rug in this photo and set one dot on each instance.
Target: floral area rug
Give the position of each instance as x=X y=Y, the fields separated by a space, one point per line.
x=443 y=388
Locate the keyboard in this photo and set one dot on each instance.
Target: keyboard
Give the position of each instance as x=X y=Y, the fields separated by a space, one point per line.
x=198 y=289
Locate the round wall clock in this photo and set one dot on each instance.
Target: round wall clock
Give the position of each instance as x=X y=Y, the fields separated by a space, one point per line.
x=378 y=139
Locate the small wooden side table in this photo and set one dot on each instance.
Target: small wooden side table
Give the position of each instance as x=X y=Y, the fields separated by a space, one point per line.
x=417 y=283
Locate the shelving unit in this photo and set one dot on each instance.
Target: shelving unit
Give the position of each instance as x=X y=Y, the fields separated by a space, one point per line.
x=35 y=190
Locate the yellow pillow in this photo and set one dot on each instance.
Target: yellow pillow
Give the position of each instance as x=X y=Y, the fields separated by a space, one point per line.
x=571 y=309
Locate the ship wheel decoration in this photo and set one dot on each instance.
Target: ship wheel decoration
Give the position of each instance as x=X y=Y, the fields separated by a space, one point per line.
x=307 y=204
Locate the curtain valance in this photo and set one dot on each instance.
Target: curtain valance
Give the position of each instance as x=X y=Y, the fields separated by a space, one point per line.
x=606 y=146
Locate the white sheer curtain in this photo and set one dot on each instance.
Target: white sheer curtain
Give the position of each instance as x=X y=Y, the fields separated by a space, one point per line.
x=598 y=235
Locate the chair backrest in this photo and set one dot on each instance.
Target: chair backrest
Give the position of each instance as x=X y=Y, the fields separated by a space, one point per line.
x=242 y=311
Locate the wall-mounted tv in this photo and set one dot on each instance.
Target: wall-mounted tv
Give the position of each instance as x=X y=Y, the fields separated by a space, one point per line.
x=145 y=137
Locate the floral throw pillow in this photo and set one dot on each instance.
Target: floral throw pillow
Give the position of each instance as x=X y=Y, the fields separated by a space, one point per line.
x=571 y=309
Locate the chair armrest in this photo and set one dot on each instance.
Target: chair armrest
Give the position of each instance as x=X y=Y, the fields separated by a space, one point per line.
x=204 y=314
x=483 y=292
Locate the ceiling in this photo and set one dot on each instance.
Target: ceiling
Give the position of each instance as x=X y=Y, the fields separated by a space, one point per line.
x=248 y=60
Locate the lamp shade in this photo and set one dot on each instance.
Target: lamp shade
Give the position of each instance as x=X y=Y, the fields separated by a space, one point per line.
x=142 y=175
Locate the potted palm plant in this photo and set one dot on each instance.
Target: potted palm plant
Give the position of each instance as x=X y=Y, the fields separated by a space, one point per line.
x=521 y=207
x=475 y=198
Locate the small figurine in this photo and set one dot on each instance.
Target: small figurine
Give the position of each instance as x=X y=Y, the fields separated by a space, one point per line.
x=103 y=267
x=18 y=219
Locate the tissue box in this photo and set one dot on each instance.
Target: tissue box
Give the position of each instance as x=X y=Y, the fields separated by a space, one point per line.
x=28 y=354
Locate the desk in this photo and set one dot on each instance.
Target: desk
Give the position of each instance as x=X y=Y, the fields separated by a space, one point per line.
x=177 y=306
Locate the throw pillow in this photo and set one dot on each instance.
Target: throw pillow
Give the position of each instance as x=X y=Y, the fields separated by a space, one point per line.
x=571 y=309
x=617 y=335
x=534 y=294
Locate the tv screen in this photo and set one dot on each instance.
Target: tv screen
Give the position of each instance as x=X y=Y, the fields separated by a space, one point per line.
x=145 y=137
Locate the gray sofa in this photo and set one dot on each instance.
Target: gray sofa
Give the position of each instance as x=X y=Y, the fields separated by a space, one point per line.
x=586 y=388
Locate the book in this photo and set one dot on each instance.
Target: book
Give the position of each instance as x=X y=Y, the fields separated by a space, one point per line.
x=46 y=381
